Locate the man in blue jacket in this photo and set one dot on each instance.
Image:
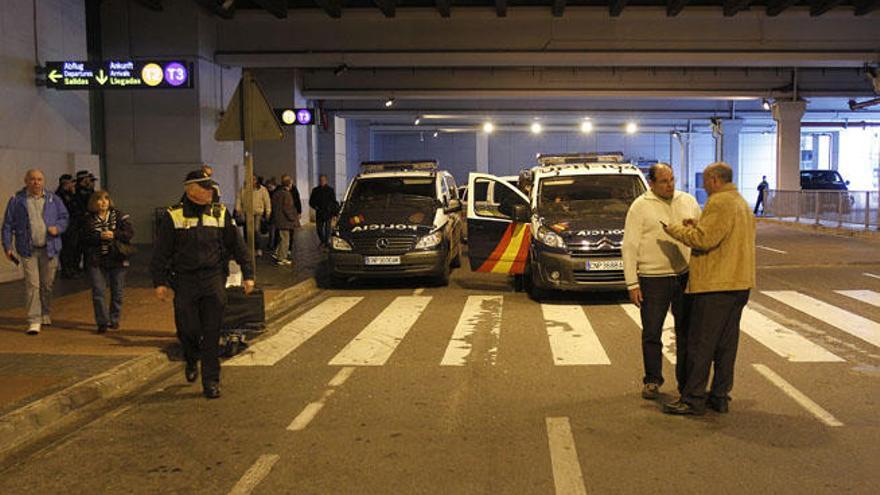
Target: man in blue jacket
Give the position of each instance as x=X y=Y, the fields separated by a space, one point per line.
x=34 y=221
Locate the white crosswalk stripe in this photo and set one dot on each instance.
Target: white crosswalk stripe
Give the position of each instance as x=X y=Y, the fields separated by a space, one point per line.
x=844 y=320
x=782 y=340
x=480 y=319
x=573 y=341
x=375 y=344
x=865 y=296
x=667 y=338
x=294 y=334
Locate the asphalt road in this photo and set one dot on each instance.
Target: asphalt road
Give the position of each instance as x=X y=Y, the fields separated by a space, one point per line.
x=476 y=389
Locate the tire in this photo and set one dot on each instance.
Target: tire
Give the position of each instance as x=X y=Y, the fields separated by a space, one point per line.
x=535 y=293
x=337 y=281
x=442 y=278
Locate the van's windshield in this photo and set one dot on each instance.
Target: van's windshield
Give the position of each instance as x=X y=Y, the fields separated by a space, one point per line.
x=588 y=194
x=388 y=190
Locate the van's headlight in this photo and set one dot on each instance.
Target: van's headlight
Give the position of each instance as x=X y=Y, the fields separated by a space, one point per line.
x=550 y=238
x=340 y=244
x=431 y=240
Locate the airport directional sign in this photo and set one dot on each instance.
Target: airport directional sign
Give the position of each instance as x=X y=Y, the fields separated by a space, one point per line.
x=119 y=74
x=296 y=116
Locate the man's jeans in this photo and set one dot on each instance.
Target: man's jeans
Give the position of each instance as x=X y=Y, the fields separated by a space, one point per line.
x=659 y=294
x=323 y=228
x=98 y=279
x=39 y=275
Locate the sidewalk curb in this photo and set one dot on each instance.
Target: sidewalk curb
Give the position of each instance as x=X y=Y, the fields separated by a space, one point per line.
x=822 y=229
x=291 y=296
x=30 y=423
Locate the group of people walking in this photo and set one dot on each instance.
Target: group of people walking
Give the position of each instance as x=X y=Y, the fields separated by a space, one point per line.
x=78 y=228
x=701 y=265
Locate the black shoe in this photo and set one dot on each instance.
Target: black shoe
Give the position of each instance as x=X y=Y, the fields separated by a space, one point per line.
x=718 y=404
x=651 y=391
x=212 y=391
x=102 y=328
x=191 y=371
x=682 y=409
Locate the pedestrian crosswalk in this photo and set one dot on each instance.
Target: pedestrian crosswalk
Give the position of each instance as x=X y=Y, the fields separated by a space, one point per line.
x=575 y=335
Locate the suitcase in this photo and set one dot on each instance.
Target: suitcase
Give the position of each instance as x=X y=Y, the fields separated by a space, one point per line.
x=244 y=315
x=244 y=311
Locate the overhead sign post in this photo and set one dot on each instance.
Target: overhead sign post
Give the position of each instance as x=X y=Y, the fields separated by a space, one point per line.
x=118 y=74
x=249 y=118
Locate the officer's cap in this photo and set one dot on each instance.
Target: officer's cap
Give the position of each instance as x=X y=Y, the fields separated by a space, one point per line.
x=199 y=177
x=65 y=178
x=83 y=174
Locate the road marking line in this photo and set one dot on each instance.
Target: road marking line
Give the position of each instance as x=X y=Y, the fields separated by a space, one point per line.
x=865 y=296
x=341 y=377
x=805 y=402
x=572 y=339
x=419 y=291
x=257 y=472
x=567 y=475
x=667 y=338
x=375 y=344
x=302 y=420
x=851 y=323
x=294 y=334
x=481 y=314
x=772 y=250
x=871 y=275
x=784 y=341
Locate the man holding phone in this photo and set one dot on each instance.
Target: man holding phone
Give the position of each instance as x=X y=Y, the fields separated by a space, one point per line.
x=655 y=266
x=33 y=224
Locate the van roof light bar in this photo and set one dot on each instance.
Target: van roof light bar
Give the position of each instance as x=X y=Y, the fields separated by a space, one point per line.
x=399 y=166
x=566 y=158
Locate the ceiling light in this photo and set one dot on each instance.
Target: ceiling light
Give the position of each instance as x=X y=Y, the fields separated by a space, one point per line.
x=536 y=128
x=631 y=128
x=676 y=134
x=488 y=127
x=389 y=102
x=436 y=133
x=765 y=104
x=586 y=127
x=418 y=120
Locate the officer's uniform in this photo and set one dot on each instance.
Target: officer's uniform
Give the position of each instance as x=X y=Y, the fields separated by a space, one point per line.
x=191 y=252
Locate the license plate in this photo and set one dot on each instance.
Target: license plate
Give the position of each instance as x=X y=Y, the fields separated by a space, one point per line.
x=604 y=265
x=381 y=260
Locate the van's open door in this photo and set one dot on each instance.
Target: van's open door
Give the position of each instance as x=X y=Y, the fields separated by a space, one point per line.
x=498 y=241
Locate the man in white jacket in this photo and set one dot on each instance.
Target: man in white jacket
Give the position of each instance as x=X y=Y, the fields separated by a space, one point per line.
x=262 y=211
x=656 y=270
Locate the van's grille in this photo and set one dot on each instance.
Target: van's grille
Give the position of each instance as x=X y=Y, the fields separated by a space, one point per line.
x=583 y=276
x=389 y=245
x=577 y=251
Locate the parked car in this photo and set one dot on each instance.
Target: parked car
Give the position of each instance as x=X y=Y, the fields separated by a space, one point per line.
x=830 y=181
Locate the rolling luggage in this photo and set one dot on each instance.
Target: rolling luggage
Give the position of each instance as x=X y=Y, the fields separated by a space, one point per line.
x=244 y=316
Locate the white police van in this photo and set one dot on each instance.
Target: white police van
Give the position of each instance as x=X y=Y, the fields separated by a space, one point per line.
x=563 y=231
x=398 y=219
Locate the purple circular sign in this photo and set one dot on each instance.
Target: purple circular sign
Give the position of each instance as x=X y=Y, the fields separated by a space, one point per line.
x=176 y=74
x=304 y=116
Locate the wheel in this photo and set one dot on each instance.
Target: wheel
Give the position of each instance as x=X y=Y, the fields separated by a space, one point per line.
x=337 y=281
x=535 y=293
x=442 y=278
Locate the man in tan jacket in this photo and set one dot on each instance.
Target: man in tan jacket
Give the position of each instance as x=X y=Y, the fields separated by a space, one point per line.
x=722 y=271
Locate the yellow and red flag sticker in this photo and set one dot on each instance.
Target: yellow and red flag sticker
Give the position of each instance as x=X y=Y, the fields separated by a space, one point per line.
x=510 y=255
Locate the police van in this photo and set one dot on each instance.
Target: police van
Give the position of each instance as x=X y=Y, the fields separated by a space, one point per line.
x=398 y=219
x=561 y=229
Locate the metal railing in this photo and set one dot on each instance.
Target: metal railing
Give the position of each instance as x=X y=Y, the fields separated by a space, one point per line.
x=851 y=209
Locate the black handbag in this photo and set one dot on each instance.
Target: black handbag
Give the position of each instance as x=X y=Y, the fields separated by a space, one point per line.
x=124 y=249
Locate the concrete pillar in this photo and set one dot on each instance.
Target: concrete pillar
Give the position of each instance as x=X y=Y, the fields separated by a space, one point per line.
x=787 y=115
x=730 y=149
x=482 y=155
x=340 y=163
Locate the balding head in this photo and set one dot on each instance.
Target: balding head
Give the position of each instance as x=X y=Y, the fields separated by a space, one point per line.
x=662 y=180
x=716 y=175
x=34 y=180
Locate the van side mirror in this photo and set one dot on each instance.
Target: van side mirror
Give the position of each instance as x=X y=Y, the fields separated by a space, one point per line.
x=520 y=213
x=454 y=206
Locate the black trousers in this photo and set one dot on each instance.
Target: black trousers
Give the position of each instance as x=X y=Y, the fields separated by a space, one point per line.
x=659 y=293
x=71 y=254
x=759 y=203
x=713 y=340
x=199 y=300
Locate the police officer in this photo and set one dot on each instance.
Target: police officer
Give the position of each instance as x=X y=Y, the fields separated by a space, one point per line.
x=196 y=238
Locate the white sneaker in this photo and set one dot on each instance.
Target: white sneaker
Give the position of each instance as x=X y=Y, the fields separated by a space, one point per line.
x=47 y=320
x=34 y=329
